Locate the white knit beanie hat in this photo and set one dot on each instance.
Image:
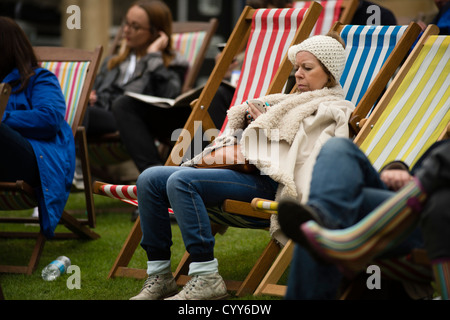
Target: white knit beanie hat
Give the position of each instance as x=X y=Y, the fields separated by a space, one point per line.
x=326 y=49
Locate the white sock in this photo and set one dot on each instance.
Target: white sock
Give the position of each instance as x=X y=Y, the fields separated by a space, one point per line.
x=203 y=268
x=158 y=267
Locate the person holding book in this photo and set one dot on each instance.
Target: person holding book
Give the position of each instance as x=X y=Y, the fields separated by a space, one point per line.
x=145 y=63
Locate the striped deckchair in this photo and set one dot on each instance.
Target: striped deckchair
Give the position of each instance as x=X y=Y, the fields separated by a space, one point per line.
x=75 y=70
x=258 y=27
x=192 y=40
x=333 y=11
x=71 y=76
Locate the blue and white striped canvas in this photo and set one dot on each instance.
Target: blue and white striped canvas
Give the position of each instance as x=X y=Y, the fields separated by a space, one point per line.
x=367 y=48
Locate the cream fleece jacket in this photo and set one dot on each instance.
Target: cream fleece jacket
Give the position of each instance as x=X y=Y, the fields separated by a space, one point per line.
x=284 y=142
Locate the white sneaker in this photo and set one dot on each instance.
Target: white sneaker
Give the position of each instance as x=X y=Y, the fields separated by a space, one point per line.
x=203 y=287
x=157 y=287
x=35 y=213
x=78 y=181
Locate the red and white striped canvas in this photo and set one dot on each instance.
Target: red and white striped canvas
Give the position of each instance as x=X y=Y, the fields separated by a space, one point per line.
x=272 y=33
x=125 y=193
x=329 y=15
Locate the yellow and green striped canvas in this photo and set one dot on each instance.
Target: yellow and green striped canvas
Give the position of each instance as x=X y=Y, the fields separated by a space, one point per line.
x=418 y=112
x=71 y=76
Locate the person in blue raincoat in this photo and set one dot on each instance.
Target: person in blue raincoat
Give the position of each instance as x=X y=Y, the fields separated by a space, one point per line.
x=36 y=143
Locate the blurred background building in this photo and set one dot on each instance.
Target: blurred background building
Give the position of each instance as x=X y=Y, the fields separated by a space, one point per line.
x=45 y=21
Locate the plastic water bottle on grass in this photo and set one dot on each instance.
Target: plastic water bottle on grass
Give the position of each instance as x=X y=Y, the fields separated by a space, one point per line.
x=55 y=268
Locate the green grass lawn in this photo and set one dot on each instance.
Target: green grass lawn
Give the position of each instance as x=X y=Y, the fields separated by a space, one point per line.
x=236 y=250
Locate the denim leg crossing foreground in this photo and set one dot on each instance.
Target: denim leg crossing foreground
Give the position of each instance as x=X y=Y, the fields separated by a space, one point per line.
x=189 y=191
x=345 y=188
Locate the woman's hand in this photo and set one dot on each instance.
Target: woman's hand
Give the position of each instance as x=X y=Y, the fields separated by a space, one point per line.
x=395 y=179
x=159 y=44
x=252 y=112
x=92 y=98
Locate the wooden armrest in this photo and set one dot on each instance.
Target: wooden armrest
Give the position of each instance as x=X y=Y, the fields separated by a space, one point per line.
x=97 y=187
x=244 y=208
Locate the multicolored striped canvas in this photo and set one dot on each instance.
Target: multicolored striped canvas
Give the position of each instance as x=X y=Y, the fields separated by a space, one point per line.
x=419 y=111
x=188 y=44
x=71 y=76
x=367 y=48
x=402 y=269
x=329 y=15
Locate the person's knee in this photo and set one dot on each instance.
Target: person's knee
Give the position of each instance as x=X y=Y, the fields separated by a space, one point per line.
x=336 y=146
x=120 y=105
x=148 y=176
x=176 y=179
x=180 y=180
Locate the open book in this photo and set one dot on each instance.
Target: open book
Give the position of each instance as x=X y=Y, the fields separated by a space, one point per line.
x=183 y=100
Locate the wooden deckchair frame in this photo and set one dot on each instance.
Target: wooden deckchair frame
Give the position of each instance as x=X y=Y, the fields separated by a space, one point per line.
x=5 y=91
x=349 y=8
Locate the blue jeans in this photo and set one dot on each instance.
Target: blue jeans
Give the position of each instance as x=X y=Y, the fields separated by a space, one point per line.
x=344 y=188
x=189 y=191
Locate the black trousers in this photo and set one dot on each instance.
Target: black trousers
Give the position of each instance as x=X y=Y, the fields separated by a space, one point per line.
x=434 y=174
x=18 y=161
x=98 y=121
x=140 y=123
